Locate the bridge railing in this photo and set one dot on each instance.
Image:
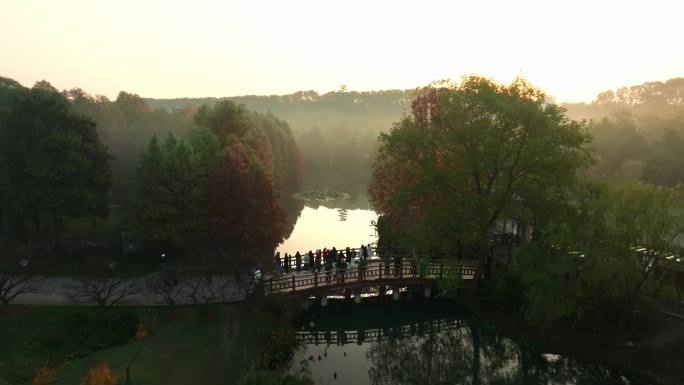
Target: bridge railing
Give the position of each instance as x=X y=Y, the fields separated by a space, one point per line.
x=377 y=253
x=371 y=272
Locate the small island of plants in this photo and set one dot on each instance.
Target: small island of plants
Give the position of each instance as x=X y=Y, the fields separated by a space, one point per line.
x=321 y=195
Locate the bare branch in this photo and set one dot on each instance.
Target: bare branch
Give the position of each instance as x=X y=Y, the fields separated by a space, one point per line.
x=103 y=291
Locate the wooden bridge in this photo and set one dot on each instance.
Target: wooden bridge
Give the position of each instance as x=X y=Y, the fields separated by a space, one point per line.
x=374 y=273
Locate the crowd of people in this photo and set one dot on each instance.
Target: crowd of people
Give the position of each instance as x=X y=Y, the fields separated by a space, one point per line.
x=324 y=260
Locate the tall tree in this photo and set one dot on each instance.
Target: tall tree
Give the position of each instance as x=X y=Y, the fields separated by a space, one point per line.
x=244 y=215
x=53 y=161
x=172 y=186
x=468 y=155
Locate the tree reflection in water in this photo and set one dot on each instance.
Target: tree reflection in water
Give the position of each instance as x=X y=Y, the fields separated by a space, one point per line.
x=426 y=343
x=466 y=356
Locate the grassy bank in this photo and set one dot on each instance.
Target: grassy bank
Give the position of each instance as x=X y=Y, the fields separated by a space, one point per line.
x=207 y=344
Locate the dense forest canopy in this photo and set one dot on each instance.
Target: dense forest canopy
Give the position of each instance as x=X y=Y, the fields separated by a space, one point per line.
x=52 y=162
x=200 y=180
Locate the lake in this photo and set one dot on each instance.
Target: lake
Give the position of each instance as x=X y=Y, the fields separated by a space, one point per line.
x=339 y=224
x=383 y=342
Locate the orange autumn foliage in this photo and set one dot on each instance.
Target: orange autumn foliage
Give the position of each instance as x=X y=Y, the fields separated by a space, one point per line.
x=140 y=332
x=100 y=375
x=43 y=375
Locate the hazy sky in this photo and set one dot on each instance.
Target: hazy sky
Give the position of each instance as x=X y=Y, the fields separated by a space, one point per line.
x=572 y=49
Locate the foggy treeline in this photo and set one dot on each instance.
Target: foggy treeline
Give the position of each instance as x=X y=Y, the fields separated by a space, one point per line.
x=637 y=131
x=336 y=131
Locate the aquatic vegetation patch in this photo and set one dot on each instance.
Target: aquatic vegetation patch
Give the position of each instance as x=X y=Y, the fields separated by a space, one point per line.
x=321 y=195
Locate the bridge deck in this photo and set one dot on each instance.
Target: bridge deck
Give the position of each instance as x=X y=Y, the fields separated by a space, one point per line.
x=375 y=273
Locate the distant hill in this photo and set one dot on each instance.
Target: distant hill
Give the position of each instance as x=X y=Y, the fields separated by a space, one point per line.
x=374 y=110
x=659 y=100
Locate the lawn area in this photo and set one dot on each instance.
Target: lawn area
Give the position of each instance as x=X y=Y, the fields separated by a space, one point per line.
x=204 y=344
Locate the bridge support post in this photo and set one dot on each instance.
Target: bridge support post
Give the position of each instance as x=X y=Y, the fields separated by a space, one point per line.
x=324 y=301
x=395 y=293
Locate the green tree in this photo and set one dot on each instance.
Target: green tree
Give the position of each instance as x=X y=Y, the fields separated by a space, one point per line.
x=54 y=164
x=224 y=118
x=664 y=165
x=470 y=154
x=599 y=253
x=172 y=186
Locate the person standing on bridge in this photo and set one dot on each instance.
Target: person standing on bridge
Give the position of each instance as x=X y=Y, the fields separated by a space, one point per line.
x=298 y=262
x=348 y=256
x=328 y=269
x=310 y=261
x=288 y=263
x=318 y=260
x=362 y=267
x=364 y=253
x=278 y=263
x=333 y=254
x=341 y=268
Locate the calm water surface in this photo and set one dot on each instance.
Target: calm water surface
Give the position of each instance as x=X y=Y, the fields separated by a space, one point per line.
x=321 y=227
x=425 y=342
x=383 y=342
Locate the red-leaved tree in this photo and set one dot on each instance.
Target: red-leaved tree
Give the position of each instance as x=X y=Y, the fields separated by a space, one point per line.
x=244 y=216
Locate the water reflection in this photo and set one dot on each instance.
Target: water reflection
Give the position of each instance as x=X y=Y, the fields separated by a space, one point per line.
x=409 y=343
x=342 y=213
x=293 y=210
x=315 y=225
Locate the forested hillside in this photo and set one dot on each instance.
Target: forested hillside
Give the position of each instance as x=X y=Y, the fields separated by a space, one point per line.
x=336 y=132
x=638 y=131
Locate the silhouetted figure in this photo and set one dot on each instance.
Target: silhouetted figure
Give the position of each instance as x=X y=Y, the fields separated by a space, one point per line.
x=348 y=256
x=328 y=270
x=362 y=268
x=278 y=263
x=298 y=262
x=288 y=263
x=333 y=254
x=364 y=253
x=341 y=268
x=318 y=260
x=310 y=262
